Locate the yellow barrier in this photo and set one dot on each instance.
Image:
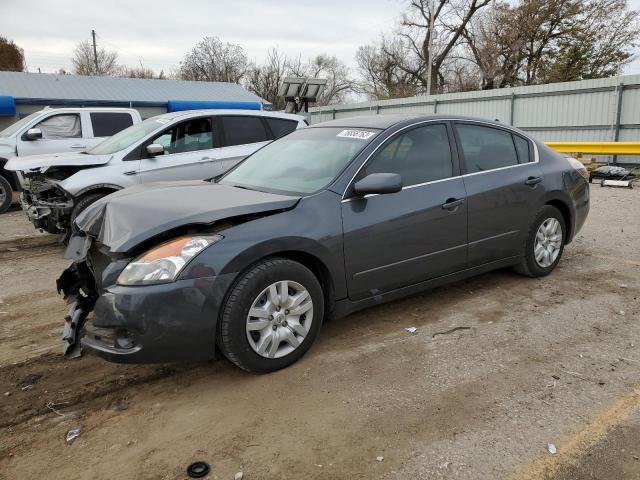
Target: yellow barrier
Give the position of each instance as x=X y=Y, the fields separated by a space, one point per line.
x=596 y=148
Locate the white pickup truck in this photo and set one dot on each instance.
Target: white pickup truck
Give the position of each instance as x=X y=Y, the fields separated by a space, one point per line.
x=57 y=130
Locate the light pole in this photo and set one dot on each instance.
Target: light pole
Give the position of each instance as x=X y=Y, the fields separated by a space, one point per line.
x=432 y=14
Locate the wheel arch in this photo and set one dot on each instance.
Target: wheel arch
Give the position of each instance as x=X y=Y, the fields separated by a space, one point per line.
x=11 y=177
x=101 y=187
x=564 y=209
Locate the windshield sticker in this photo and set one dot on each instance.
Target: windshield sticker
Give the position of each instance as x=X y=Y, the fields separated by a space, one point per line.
x=359 y=134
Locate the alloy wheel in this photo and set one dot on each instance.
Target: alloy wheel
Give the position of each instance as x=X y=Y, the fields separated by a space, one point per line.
x=548 y=242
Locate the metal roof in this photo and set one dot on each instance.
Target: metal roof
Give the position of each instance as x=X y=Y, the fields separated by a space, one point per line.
x=21 y=85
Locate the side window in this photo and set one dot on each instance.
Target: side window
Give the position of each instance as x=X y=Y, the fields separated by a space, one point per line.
x=190 y=136
x=281 y=127
x=522 y=146
x=61 y=126
x=421 y=155
x=106 y=124
x=240 y=130
x=486 y=148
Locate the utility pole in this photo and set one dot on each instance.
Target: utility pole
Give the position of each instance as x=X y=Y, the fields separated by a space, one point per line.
x=95 y=51
x=432 y=14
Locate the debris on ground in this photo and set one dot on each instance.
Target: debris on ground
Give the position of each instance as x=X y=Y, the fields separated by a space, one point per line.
x=454 y=329
x=73 y=434
x=551 y=448
x=238 y=476
x=411 y=329
x=379 y=459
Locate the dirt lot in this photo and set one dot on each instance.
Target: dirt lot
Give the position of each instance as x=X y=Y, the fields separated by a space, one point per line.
x=553 y=360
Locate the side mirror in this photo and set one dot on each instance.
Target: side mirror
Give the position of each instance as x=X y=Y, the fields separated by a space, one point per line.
x=378 y=183
x=33 y=134
x=155 y=149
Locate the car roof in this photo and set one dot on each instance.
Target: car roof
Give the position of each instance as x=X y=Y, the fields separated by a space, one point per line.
x=254 y=113
x=384 y=121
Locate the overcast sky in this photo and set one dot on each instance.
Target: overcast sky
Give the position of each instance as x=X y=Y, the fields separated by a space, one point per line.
x=158 y=33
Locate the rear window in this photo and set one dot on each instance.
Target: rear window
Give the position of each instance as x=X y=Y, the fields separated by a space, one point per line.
x=522 y=147
x=281 y=127
x=240 y=130
x=106 y=124
x=486 y=148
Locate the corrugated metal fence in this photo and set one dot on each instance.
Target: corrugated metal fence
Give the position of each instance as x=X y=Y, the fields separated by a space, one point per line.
x=591 y=110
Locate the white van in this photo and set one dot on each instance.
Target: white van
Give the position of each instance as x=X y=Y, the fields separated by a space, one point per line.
x=186 y=145
x=57 y=130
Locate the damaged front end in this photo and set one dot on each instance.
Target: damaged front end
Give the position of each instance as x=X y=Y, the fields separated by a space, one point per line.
x=45 y=203
x=77 y=285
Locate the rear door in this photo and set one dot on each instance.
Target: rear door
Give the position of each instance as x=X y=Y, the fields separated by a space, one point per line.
x=419 y=233
x=61 y=132
x=504 y=188
x=105 y=124
x=242 y=135
x=191 y=152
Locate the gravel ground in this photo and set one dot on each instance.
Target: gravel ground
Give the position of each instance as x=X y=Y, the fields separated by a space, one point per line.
x=553 y=360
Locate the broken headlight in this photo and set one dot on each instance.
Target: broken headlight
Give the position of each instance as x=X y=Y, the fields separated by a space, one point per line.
x=164 y=262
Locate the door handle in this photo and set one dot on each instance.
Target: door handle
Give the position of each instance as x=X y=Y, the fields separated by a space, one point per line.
x=452 y=203
x=207 y=159
x=78 y=146
x=532 y=181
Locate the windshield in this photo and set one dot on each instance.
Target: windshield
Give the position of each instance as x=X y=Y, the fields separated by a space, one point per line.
x=302 y=162
x=127 y=137
x=13 y=128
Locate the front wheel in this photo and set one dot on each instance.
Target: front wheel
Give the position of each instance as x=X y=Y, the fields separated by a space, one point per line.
x=80 y=205
x=6 y=194
x=545 y=243
x=272 y=316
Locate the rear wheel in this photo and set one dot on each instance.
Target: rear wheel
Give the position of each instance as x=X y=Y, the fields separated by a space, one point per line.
x=545 y=243
x=272 y=316
x=6 y=194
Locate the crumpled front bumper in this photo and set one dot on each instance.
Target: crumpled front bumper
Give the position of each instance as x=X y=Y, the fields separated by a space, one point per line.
x=50 y=216
x=168 y=322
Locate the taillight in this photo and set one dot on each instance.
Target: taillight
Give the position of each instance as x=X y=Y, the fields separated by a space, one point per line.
x=579 y=167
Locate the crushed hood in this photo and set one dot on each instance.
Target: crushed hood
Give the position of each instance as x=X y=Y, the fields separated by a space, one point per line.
x=128 y=217
x=42 y=162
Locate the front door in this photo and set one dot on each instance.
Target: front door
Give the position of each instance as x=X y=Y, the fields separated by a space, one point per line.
x=403 y=238
x=191 y=152
x=504 y=190
x=61 y=132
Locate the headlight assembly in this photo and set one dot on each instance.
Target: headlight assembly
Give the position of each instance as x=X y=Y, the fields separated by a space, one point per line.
x=163 y=263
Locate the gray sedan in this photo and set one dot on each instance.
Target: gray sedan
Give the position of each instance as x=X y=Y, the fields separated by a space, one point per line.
x=328 y=220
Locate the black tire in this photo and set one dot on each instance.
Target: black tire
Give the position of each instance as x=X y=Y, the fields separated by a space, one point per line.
x=6 y=193
x=529 y=266
x=81 y=204
x=232 y=336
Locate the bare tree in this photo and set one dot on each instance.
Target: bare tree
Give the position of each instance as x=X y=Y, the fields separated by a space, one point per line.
x=451 y=17
x=264 y=80
x=84 y=63
x=213 y=60
x=11 y=56
x=382 y=76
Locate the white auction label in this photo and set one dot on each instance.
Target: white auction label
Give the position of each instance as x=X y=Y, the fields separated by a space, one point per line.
x=359 y=134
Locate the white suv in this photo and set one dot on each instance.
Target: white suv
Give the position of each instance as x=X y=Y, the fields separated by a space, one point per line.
x=56 y=130
x=187 y=145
